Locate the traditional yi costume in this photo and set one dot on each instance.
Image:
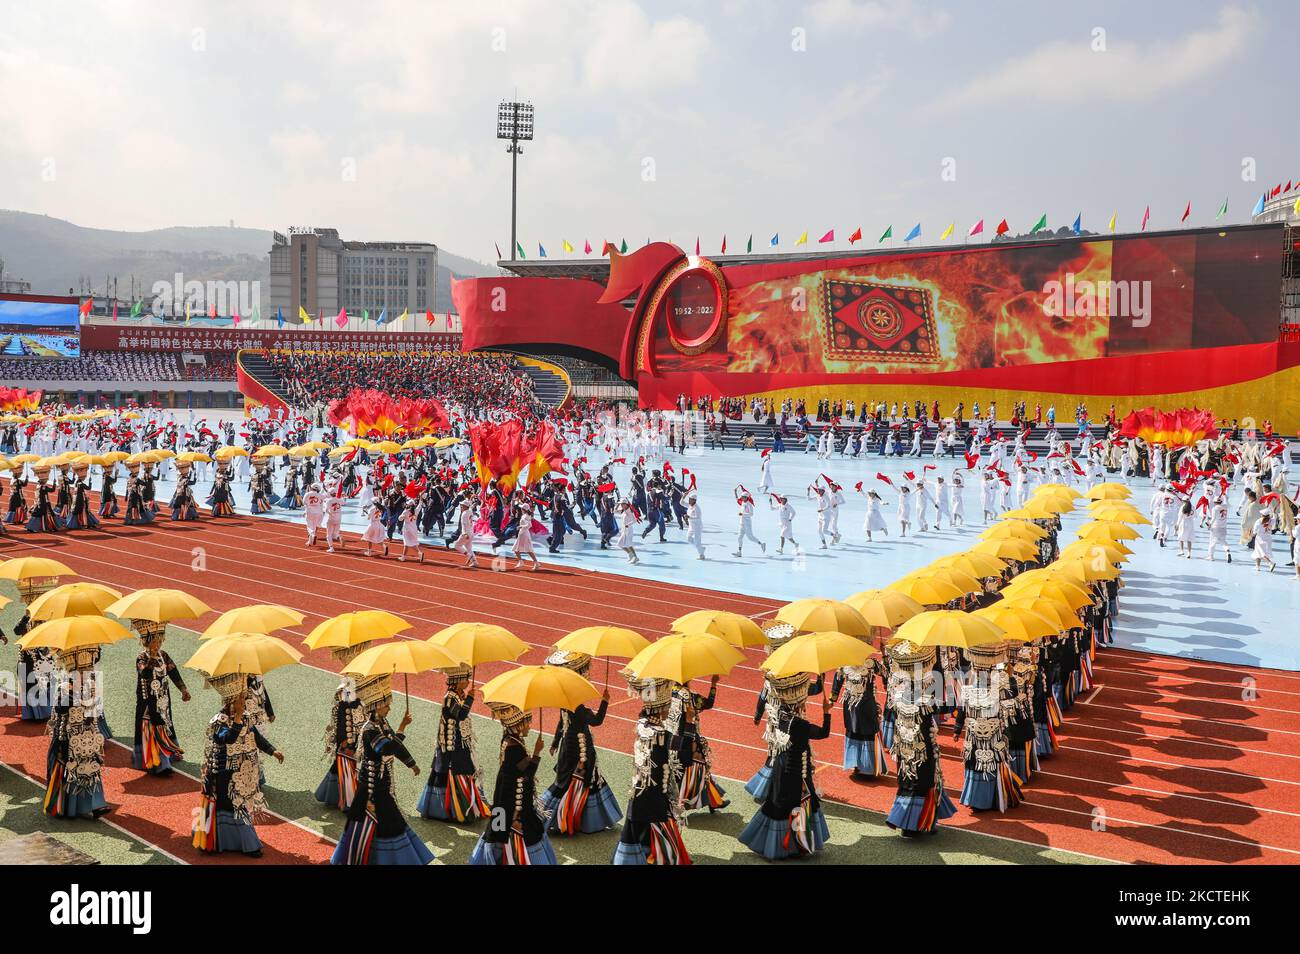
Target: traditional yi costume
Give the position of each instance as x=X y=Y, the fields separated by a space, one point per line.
x=987 y=701
x=342 y=734
x=579 y=800
x=452 y=792
x=520 y=838
x=651 y=834
x=155 y=747
x=75 y=786
x=921 y=801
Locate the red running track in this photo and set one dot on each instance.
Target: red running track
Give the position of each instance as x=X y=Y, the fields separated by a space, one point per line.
x=1167 y=761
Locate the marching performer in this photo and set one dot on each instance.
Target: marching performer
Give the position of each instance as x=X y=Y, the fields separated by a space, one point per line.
x=579 y=800
x=222 y=500
x=790 y=822
x=155 y=746
x=921 y=801
x=183 y=505
x=745 y=503
x=342 y=735
x=42 y=518
x=784 y=514
x=313 y=513
x=695 y=525
x=522 y=839
x=651 y=834
x=75 y=788
x=376 y=832
x=452 y=792
x=990 y=781
x=699 y=789
x=864 y=751
x=137 y=510
x=232 y=798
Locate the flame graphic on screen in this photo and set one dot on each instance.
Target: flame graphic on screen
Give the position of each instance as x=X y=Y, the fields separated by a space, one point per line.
x=988 y=308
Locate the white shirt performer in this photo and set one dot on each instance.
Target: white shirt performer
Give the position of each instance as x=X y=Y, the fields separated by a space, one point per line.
x=823 y=513
x=765 y=473
x=465 y=540
x=695 y=526
x=334 y=523
x=314 y=510
x=746 y=532
x=785 y=514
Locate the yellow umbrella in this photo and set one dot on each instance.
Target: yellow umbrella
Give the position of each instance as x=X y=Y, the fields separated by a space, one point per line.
x=23 y=569
x=1018 y=622
x=604 y=641
x=144 y=457
x=478 y=643
x=256 y=618
x=386 y=447
x=929 y=590
x=162 y=453
x=682 y=657
x=817 y=653
x=252 y=653
x=73 y=599
x=315 y=445
x=447 y=442
x=356 y=442
x=230 y=453
x=158 y=606
x=1113 y=551
x=413 y=444
x=25 y=459
x=1109 y=491
x=1014 y=530
x=1008 y=549
x=341 y=451
x=115 y=457
x=1081 y=570
x=1024 y=513
x=349 y=629
x=303 y=451
x=540 y=687
x=958 y=578
x=740 y=631
x=817 y=614
x=1114 y=514
x=982 y=565
x=406 y=656
x=194 y=457
x=1064 y=591
x=1057 y=612
x=1041 y=508
x=1101 y=530
x=5 y=464
x=271 y=450
x=886 y=608
x=949 y=628
x=1105 y=504
x=74 y=632
x=1058 y=496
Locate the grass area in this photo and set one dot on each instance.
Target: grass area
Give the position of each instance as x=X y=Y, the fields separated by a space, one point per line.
x=302 y=696
x=20 y=814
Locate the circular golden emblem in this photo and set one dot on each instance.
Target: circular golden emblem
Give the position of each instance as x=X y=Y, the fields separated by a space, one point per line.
x=880 y=318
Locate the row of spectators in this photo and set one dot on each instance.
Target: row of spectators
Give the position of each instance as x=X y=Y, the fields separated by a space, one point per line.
x=119 y=366
x=474 y=382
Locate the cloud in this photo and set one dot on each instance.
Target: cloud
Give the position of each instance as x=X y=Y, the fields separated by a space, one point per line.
x=627 y=52
x=1073 y=72
x=858 y=15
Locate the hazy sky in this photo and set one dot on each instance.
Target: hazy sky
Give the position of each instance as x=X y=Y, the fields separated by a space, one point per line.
x=660 y=120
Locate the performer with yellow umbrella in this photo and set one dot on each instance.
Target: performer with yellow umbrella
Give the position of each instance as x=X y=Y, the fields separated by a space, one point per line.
x=651 y=833
x=75 y=787
x=231 y=799
x=790 y=823
x=921 y=801
x=34 y=576
x=453 y=792
x=579 y=800
x=521 y=839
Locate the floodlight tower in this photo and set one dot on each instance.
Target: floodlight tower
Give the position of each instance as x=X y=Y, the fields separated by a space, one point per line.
x=514 y=124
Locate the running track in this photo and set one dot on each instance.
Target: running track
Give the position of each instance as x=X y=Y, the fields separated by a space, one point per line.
x=1168 y=761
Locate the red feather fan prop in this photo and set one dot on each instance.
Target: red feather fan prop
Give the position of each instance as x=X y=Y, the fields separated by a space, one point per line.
x=1180 y=428
x=374 y=412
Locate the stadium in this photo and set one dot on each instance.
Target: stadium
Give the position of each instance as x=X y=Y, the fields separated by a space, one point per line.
x=967 y=552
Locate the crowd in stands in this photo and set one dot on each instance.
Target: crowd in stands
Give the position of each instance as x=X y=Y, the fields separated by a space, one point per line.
x=470 y=381
x=119 y=366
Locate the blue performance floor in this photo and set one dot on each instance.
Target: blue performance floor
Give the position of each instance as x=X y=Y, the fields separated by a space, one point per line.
x=1170 y=605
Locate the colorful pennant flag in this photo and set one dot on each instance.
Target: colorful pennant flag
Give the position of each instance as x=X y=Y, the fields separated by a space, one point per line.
x=856 y=236
x=498 y=248
x=279 y=317
x=1223 y=209
x=976 y=229
x=541 y=251
x=697 y=246
x=115 y=309
x=1259 y=206
x=749 y=246
x=428 y=317
x=916 y=231
x=1003 y=228
x=802 y=239
x=342 y=319
x=187 y=312
x=888 y=233
x=135 y=309
x=1186 y=212
x=1114 y=217
x=947 y=231
x=1040 y=224
x=724 y=244
x=623 y=247
x=235 y=316
x=1077 y=227
x=775 y=240
x=828 y=237
x=1146 y=217
x=519 y=249
x=586 y=247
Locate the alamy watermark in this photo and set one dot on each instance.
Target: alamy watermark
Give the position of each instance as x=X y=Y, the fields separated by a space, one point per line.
x=196 y=298
x=1084 y=298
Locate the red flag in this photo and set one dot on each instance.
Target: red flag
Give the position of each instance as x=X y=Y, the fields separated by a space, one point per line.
x=1003 y=228
x=428 y=317
x=1146 y=217
x=606 y=487
x=697 y=245
x=971 y=460
x=929 y=467
x=115 y=309
x=586 y=247
x=85 y=306
x=1187 y=211
x=828 y=237
x=212 y=312
x=607 y=247
x=856 y=236
x=880 y=476
x=724 y=245
x=858 y=486
x=910 y=474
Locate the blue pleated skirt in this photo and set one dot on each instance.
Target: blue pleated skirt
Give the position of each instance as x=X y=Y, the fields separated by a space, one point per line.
x=1018 y=762
x=767 y=836
x=1044 y=739
x=860 y=757
x=908 y=807
x=327 y=792
x=235 y=835
x=35 y=713
x=540 y=852
x=403 y=849
x=432 y=802
x=980 y=790
x=601 y=812
x=887 y=728
x=760 y=782
x=163 y=767
x=83 y=804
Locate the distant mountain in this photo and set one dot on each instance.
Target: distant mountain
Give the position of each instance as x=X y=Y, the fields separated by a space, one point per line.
x=54 y=255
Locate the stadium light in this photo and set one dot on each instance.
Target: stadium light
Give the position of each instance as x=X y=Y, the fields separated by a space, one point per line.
x=515 y=124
